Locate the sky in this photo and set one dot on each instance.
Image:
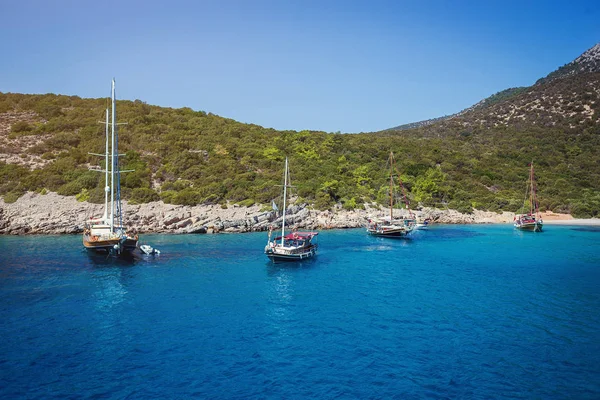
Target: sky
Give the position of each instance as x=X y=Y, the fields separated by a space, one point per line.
x=333 y=66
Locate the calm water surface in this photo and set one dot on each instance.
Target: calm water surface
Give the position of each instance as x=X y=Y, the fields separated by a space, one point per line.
x=456 y=312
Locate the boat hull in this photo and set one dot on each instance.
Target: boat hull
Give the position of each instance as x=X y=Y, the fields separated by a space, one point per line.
x=391 y=231
x=531 y=226
x=277 y=255
x=108 y=245
x=393 y=235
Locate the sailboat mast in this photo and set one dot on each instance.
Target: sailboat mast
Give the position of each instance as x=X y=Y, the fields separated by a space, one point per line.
x=532 y=193
x=118 y=210
x=285 y=176
x=112 y=155
x=391 y=187
x=106 y=171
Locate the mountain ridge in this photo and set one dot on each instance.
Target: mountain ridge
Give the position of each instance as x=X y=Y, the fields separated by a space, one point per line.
x=587 y=63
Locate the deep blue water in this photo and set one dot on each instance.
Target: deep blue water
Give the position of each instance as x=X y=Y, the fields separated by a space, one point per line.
x=456 y=312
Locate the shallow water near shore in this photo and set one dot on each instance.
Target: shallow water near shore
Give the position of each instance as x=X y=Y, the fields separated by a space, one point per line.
x=454 y=312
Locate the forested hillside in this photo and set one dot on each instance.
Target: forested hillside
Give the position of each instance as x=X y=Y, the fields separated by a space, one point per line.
x=476 y=160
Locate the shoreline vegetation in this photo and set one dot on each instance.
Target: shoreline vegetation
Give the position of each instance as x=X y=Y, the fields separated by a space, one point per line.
x=477 y=159
x=32 y=214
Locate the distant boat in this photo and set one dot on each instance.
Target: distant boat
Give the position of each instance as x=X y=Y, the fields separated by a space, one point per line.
x=422 y=224
x=390 y=226
x=532 y=220
x=149 y=250
x=107 y=233
x=294 y=246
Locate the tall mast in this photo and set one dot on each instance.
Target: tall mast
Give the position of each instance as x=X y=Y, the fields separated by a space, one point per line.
x=118 y=210
x=531 y=189
x=106 y=189
x=112 y=155
x=533 y=206
x=391 y=187
x=285 y=176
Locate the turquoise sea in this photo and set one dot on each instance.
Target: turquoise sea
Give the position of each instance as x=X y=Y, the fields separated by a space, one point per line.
x=468 y=312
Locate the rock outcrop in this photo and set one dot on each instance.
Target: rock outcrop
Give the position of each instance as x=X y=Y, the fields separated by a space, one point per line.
x=55 y=214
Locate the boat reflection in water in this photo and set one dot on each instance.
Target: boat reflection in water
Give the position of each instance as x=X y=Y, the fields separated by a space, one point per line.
x=111 y=259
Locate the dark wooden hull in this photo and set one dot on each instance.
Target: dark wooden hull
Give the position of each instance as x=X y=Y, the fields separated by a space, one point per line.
x=391 y=233
x=530 y=226
x=98 y=245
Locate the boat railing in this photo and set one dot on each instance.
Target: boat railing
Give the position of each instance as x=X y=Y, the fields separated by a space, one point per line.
x=300 y=250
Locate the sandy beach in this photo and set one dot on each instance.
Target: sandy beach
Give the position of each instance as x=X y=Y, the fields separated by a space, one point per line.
x=551 y=218
x=574 y=221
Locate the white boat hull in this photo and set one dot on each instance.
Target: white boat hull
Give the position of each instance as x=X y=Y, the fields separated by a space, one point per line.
x=291 y=254
x=149 y=250
x=397 y=229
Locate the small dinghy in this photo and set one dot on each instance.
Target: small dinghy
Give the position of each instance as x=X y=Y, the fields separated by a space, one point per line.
x=149 y=250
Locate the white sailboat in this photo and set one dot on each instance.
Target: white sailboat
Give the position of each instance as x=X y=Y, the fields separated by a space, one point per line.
x=107 y=233
x=294 y=246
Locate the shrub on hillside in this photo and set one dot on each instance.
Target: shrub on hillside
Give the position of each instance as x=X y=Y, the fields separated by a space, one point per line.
x=247 y=203
x=84 y=195
x=21 y=127
x=96 y=196
x=143 y=195
x=11 y=197
x=349 y=204
x=461 y=206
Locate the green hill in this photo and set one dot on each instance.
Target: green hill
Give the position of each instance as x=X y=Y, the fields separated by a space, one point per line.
x=477 y=159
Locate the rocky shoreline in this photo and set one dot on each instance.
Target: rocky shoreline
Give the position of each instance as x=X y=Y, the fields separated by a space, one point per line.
x=51 y=213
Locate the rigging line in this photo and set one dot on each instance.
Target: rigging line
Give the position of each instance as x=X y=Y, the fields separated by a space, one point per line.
x=395 y=168
x=410 y=213
x=534 y=202
x=391 y=186
x=525 y=198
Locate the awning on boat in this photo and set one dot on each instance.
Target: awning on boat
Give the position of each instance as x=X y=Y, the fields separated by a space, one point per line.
x=298 y=235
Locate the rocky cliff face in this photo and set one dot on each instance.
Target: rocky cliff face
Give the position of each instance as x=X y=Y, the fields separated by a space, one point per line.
x=54 y=214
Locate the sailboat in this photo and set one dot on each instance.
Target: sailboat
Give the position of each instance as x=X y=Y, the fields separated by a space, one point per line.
x=390 y=226
x=532 y=220
x=107 y=233
x=294 y=246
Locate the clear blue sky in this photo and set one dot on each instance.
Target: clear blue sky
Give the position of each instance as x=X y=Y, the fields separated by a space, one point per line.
x=346 y=66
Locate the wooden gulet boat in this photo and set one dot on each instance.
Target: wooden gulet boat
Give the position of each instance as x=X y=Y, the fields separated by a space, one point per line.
x=532 y=220
x=107 y=233
x=295 y=246
x=389 y=226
